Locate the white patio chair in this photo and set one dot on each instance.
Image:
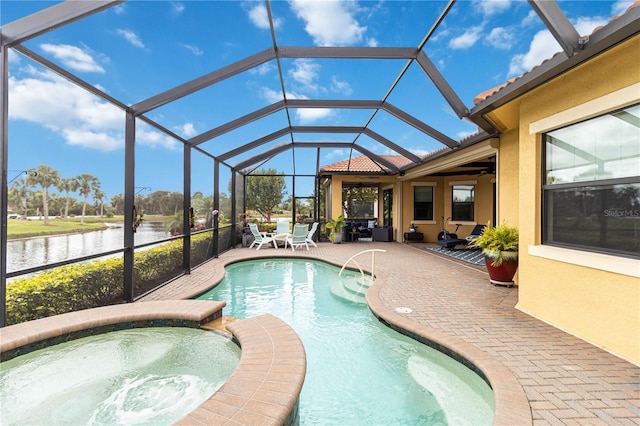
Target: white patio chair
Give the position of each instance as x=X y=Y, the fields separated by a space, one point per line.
x=282 y=232
x=299 y=237
x=260 y=238
x=311 y=233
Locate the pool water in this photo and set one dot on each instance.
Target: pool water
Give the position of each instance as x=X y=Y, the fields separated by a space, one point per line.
x=358 y=370
x=138 y=376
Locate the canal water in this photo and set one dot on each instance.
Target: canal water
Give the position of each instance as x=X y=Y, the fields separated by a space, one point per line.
x=31 y=252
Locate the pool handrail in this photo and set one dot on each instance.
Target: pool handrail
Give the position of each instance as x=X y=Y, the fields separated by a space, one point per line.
x=373 y=262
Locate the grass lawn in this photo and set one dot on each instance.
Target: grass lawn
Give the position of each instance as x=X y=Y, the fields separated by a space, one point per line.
x=17 y=228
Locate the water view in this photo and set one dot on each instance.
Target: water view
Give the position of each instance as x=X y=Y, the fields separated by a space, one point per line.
x=30 y=252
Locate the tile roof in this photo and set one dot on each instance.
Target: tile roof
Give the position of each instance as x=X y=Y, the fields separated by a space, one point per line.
x=490 y=92
x=363 y=164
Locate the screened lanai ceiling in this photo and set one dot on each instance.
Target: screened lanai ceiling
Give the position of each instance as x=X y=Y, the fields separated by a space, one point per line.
x=290 y=85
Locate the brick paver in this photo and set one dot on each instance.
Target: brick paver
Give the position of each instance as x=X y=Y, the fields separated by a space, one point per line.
x=566 y=380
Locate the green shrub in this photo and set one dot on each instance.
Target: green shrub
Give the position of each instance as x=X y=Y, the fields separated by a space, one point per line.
x=88 y=285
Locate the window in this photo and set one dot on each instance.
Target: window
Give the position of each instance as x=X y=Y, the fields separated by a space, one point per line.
x=591 y=188
x=387 y=207
x=462 y=204
x=422 y=203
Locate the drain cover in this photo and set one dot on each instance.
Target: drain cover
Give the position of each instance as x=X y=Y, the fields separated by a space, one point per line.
x=403 y=310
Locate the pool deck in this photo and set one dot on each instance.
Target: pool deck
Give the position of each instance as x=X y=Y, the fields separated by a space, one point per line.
x=541 y=375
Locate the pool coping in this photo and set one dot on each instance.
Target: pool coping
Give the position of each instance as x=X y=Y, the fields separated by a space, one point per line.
x=28 y=336
x=264 y=388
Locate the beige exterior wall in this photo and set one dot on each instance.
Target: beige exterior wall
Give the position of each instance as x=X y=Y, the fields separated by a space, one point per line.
x=484 y=199
x=593 y=296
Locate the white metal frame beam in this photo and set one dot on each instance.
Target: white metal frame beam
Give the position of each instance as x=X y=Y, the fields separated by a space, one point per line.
x=51 y=18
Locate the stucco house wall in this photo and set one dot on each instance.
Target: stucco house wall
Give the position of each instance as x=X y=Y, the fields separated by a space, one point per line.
x=591 y=295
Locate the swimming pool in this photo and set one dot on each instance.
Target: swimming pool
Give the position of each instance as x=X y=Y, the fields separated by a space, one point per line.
x=358 y=370
x=137 y=376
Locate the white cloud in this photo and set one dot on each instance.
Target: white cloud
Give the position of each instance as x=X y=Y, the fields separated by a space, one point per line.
x=263 y=69
x=311 y=115
x=259 y=17
x=177 y=8
x=544 y=46
x=620 y=6
x=270 y=95
x=72 y=57
x=187 y=130
x=467 y=39
x=329 y=23
x=372 y=42
x=491 y=7
x=80 y=118
x=193 y=49
x=531 y=18
x=419 y=151
x=131 y=37
x=14 y=58
x=119 y=9
x=146 y=135
x=335 y=153
x=500 y=38
x=342 y=87
x=586 y=25
x=305 y=73
x=92 y=139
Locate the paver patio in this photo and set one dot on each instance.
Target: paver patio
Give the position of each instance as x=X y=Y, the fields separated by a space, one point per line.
x=566 y=380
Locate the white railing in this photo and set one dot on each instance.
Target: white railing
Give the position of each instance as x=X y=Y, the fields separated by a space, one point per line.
x=373 y=262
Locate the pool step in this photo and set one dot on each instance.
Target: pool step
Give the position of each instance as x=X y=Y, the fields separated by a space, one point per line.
x=219 y=325
x=351 y=289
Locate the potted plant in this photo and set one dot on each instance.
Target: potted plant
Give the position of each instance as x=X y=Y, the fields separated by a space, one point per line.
x=499 y=245
x=336 y=226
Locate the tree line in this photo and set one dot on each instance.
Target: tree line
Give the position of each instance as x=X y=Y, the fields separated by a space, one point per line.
x=32 y=195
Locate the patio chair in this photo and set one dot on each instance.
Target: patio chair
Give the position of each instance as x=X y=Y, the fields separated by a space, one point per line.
x=299 y=237
x=283 y=228
x=452 y=242
x=260 y=238
x=311 y=233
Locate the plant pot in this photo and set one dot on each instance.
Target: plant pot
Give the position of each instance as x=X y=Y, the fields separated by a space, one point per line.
x=501 y=274
x=337 y=238
x=247 y=239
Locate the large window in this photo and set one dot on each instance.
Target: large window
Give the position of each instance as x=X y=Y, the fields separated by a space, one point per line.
x=462 y=203
x=591 y=188
x=423 y=203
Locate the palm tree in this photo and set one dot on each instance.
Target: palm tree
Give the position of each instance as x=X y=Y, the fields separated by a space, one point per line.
x=117 y=202
x=68 y=185
x=86 y=185
x=19 y=194
x=46 y=177
x=98 y=196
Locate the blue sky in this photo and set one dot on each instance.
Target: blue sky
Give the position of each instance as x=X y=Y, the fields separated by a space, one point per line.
x=141 y=48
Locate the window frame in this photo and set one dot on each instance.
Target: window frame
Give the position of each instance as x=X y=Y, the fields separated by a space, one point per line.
x=431 y=185
x=472 y=203
x=548 y=188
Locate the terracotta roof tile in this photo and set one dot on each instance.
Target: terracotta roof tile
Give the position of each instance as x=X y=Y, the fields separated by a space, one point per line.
x=363 y=164
x=487 y=93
